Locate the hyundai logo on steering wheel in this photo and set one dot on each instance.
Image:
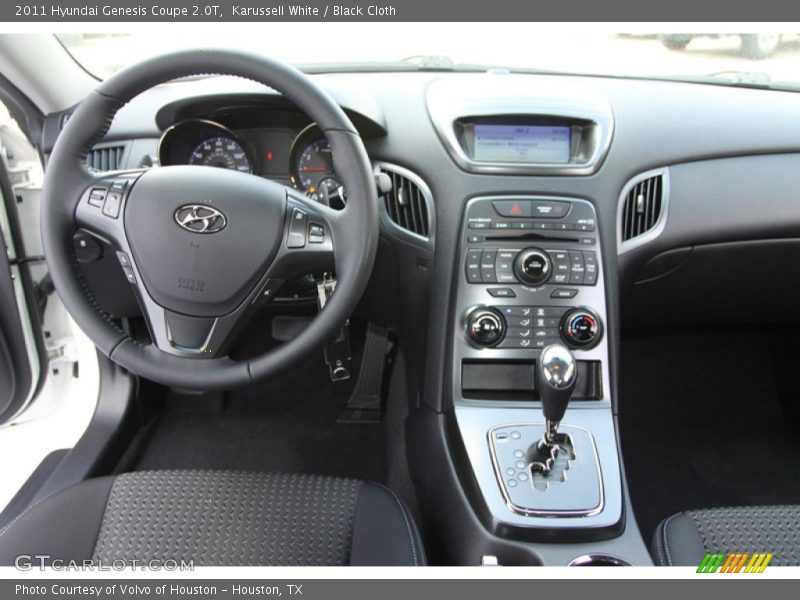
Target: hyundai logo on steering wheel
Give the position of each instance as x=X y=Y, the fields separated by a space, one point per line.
x=200 y=218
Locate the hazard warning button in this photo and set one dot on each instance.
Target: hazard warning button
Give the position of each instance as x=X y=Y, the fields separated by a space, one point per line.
x=513 y=208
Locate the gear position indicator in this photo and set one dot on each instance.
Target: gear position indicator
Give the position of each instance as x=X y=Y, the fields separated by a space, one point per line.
x=572 y=487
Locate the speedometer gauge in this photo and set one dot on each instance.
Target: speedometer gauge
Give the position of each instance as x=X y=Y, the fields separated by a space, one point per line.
x=221 y=151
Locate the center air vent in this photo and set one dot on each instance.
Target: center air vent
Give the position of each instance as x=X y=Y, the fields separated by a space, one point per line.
x=643 y=207
x=409 y=204
x=105 y=158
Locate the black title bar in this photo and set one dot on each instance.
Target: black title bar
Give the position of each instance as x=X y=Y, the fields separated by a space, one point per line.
x=264 y=11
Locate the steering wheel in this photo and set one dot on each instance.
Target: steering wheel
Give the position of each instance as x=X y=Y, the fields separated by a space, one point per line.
x=204 y=248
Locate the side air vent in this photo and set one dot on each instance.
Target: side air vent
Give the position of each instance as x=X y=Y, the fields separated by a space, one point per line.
x=409 y=204
x=643 y=208
x=105 y=158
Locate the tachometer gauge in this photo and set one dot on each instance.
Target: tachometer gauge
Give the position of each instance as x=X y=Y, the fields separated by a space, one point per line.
x=221 y=151
x=312 y=168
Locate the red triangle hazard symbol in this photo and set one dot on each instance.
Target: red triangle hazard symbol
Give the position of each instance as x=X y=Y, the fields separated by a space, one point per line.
x=516 y=209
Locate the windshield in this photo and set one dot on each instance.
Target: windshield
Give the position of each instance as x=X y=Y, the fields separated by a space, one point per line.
x=760 y=60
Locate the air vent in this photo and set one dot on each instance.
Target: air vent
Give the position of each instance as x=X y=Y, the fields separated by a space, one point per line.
x=409 y=204
x=643 y=206
x=105 y=158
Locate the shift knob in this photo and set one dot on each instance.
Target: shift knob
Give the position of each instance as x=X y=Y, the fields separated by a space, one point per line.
x=556 y=372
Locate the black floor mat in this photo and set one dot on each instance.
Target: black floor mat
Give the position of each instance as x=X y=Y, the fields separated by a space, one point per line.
x=701 y=425
x=287 y=425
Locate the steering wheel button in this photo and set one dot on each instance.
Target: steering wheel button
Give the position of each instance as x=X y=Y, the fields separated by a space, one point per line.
x=297 y=229
x=123 y=259
x=112 y=204
x=97 y=197
x=129 y=275
x=87 y=248
x=316 y=233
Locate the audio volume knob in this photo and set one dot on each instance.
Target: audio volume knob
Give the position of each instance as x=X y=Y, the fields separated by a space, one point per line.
x=533 y=266
x=581 y=328
x=486 y=327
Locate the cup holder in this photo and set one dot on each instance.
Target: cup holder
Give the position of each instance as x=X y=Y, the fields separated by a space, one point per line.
x=598 y=559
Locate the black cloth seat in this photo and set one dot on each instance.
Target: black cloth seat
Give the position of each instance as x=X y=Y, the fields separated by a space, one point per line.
x=685 y=538
x=218 y=518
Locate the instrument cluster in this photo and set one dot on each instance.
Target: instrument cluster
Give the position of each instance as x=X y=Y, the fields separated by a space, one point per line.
x=301 y=158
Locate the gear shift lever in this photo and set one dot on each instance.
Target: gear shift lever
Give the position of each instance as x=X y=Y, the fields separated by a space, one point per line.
x=556 y=373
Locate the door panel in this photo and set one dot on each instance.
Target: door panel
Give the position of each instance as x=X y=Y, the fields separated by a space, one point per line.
x=22 y=358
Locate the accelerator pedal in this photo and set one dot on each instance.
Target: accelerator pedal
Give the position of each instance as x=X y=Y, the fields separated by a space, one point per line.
x=365 y=404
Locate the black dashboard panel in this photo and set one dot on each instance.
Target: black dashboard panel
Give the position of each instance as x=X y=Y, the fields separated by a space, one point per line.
x=729 y=248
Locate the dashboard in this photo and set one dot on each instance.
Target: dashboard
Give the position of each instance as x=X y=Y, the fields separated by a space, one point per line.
x=300 y=157
x=536 y=230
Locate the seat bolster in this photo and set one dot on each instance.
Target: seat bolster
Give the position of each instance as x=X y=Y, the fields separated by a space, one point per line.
x=677 y=542
x=63 y=526
x=384 y=533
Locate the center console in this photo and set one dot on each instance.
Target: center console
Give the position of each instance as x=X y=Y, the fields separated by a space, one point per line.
x=530 y=279
x=532 y=432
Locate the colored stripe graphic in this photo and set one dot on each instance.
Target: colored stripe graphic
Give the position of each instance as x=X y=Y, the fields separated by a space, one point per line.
x=735 y=562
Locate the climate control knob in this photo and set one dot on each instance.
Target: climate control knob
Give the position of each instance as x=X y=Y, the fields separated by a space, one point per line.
x=486 y=327
x=533 y=266
x=581 y=328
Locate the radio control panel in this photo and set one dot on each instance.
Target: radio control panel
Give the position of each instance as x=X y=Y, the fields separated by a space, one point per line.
x=531 y=266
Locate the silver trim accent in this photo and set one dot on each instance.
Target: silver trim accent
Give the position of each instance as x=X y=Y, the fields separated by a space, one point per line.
x=209 y=223
x=496 y=94
x=531 y=512
x=558 y=366
x=427 y=195
x=660 y=224
x=591 y=560
x=475 y=421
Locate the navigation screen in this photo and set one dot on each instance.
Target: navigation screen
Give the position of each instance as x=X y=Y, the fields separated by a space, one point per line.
x=522 y=143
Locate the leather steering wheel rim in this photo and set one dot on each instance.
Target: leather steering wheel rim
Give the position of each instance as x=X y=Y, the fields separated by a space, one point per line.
x=67 y=180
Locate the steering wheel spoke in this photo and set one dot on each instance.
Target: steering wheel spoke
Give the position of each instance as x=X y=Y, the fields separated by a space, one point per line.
x=101 y=206
x=309 y=237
